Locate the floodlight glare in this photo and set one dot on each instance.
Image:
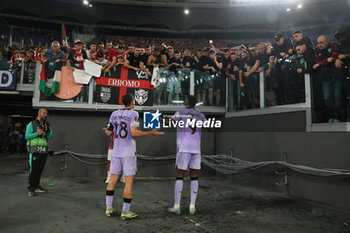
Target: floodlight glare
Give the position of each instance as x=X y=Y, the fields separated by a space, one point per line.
x=288 y=9
x=186 y=11
x=300 y=6
x=86 y=2
x=260 y=2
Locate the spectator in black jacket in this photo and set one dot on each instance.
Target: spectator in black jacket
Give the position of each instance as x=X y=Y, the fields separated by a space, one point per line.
x=304 y=58
x=343 y=62
x=300 y=39
x=332 y=79
x=309 y=52
x=214 y=66
x=283 y=48
x=252 y=76
x=16 y=138
x=188 y=63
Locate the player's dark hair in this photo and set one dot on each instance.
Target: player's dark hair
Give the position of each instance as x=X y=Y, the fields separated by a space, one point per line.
x=40 y=109
x=298 y=32
x=121 y=46
x=191 y=101
x=211 y=52
x=127 y=99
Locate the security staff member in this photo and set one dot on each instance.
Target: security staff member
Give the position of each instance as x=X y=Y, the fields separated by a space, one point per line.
x=37 y=134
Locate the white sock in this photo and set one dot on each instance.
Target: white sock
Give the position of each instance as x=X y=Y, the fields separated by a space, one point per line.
x=176 y=206
x=192 y=206
x=108 y=174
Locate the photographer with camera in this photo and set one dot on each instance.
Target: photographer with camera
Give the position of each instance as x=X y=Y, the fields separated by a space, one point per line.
x=38 y=133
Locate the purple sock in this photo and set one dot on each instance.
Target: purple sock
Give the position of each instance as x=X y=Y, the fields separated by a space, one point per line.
x=126 y=205
x=109 y=198
x=178 y=190
x=194 y=190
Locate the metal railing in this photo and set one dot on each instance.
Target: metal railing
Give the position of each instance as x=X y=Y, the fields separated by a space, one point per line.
x=305 y=106
x=24 y=83
x=90 y=104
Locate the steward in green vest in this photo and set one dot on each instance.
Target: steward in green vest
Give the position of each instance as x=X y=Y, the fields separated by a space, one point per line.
x=37 y=134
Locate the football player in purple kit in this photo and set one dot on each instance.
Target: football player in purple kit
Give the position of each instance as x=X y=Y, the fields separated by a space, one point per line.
x=188 y=151
x=124 y=123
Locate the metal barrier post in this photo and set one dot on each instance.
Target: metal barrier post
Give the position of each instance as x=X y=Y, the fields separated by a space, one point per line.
x=308 y=102
x=91 y=90
x=22 y=73
x=262 y=89
x=192 y=82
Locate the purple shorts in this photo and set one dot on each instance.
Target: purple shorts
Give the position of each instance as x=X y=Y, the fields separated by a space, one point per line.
x=124 y=165
x=188 y=160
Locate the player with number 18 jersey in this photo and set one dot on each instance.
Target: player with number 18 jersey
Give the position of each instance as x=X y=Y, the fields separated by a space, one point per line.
x=124 y=125
x=124 y=150
x=121 y=121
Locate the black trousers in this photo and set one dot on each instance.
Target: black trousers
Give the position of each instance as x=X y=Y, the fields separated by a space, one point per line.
x=347 y=91
x=37 y=163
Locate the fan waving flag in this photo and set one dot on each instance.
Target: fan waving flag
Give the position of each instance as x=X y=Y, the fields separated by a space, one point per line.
x=50 y=79
x=120 y=80
x=64 y=36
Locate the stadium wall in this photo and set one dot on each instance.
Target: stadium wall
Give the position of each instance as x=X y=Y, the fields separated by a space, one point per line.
x=269 y=137
x=82 y=133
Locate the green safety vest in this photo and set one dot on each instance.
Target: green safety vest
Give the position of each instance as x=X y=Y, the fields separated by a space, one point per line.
x=39 y=144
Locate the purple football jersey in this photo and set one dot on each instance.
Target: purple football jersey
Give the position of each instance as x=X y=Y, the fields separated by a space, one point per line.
x=189 y=136
x=124 y=143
